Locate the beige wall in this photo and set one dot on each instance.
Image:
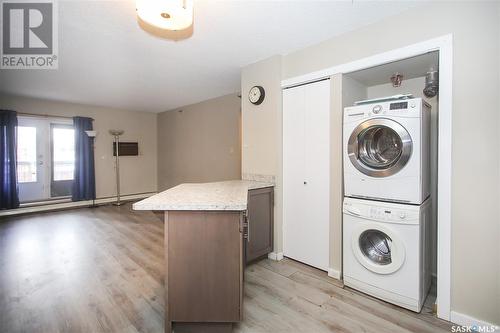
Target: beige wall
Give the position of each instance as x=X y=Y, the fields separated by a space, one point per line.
x=345 y=91
x=201 y=143
x=138 y=173
x=261 y=122
x=498 y=202
x=262 y=131
x=475 y=154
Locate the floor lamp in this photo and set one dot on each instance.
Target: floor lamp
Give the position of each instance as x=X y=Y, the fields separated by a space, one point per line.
x=116 y=134
x=92 y=135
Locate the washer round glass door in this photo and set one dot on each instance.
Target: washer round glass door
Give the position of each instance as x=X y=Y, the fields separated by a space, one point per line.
x=378 y=249
x=379 y=147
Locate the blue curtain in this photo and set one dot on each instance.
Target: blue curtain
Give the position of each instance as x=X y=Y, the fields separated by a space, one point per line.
x=84 y=180
x=9 y=194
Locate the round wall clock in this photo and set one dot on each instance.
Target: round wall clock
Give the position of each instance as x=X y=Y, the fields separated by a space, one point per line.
x=256 y=95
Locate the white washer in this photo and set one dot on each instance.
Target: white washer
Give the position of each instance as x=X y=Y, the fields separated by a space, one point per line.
x=386 y=250
x=387 y=151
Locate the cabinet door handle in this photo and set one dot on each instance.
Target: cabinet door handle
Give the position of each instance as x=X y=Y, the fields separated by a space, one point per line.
x=248 y=229
x=244 y=227
x=305 y=183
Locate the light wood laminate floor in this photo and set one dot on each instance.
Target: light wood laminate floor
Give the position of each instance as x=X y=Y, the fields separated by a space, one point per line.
x=101 y=270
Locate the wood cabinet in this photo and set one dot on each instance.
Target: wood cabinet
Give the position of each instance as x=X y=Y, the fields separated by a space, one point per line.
x=204 y=270
x=205 y=254
x=259 y=216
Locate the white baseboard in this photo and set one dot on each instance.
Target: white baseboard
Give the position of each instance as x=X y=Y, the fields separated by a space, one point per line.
x=333 y=273
x=465 y=320
x=276 y=256
x=72 y=204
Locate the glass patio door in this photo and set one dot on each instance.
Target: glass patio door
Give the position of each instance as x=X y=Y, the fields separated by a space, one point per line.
x=62 y=147
x=32 y=154
x=45 y=158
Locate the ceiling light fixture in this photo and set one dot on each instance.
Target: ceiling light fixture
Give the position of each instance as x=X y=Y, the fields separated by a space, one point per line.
x=166 y=14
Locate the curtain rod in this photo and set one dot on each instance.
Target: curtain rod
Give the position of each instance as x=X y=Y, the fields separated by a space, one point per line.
x=44 y=115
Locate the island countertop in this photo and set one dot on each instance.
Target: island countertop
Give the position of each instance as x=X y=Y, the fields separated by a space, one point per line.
x=226 y=195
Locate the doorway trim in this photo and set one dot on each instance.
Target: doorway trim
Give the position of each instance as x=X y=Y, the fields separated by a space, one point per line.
x=444 y=45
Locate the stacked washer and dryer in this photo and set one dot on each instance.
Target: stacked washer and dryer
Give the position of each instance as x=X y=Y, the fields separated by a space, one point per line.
x=387 y=205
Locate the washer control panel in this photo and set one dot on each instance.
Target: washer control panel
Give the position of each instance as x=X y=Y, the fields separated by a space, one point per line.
x=387 y=214
x=384 y=213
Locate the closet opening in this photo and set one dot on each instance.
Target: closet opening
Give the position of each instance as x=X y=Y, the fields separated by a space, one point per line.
x=385 y=90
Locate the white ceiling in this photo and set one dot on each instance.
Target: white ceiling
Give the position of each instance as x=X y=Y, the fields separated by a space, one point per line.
x=106 y=59
x=410 y=68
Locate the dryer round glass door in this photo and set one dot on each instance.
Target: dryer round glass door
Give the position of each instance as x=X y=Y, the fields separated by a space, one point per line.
x=379 y=147
x=378 y=249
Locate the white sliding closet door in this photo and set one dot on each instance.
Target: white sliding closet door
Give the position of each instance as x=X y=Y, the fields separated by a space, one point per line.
x=306 y=173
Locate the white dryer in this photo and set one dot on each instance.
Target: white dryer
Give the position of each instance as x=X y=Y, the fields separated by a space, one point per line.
x=386 y=250
x=387 y=151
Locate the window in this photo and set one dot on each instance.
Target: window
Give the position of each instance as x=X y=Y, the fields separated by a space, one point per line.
x=26 y=154
x=63 y=152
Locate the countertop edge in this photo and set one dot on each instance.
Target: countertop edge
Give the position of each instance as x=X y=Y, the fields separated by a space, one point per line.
x=240 y=204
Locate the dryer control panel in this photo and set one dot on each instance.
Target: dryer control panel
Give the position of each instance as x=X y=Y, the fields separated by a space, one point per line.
x=398 y=105
x=403 y=108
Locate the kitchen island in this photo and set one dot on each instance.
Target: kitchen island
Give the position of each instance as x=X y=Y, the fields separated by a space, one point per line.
x=211 y=231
